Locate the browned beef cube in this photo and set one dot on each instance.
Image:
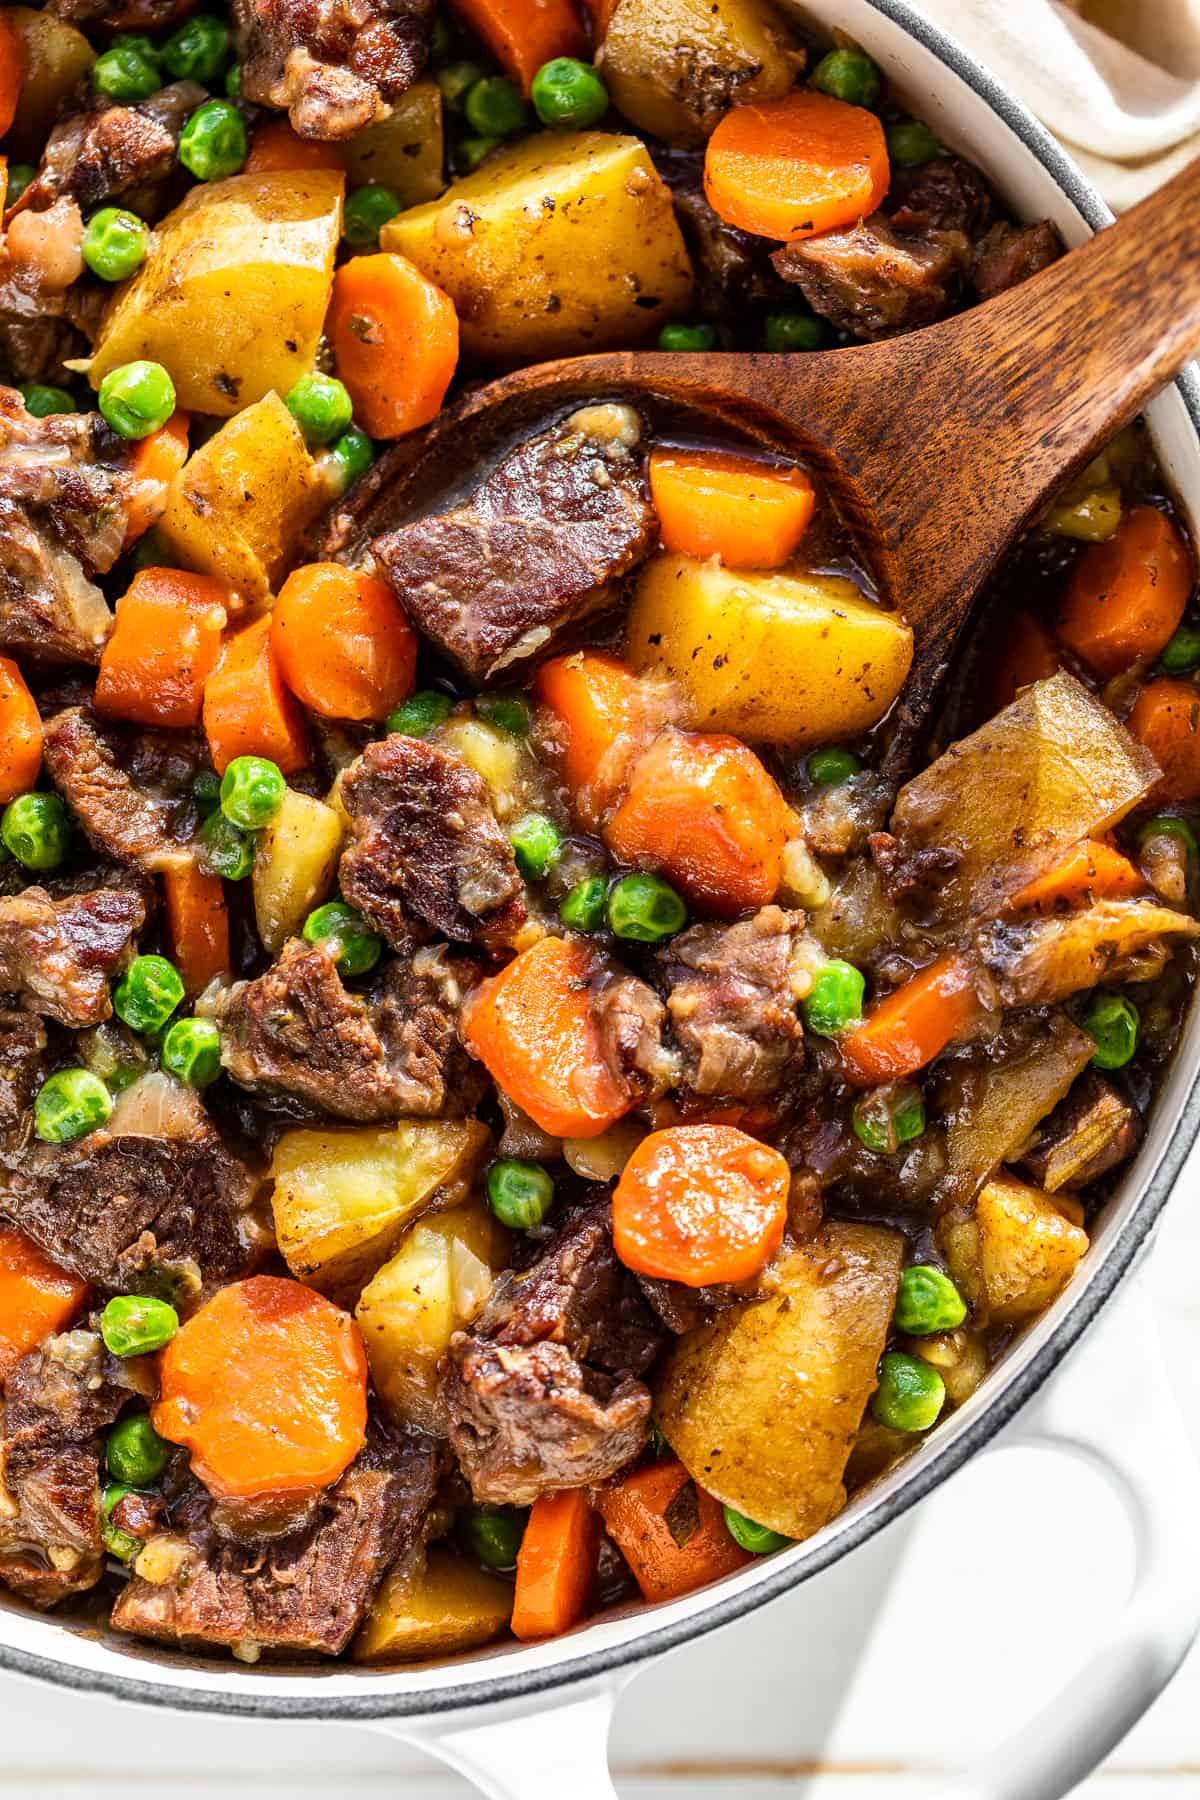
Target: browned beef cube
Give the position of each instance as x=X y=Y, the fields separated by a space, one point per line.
x=58 y=955
x=331 y=66
x=869 y=281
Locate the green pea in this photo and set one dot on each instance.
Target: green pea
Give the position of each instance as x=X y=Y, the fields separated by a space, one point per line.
x=889 y=1117
x=366 y=212
x=833 y=766
x=214 y=142
x=321 y=407
x=134 y=1453
x=125 y=75
x=1167 y=825
x=233 y=82
x=40 y=401
x=569 y=93
x=135 y=1324
x=519 y=1193
x=471 y=152
x=583 y=908
x=645 y=909
x=198 y=50
x=836 y=1000
x=911 y=144
x=36 y=830
x=494 y=107
x=493 y=1534
x=147 y=993
x=759 y=1540
x=116 y=1540
x=191 y=1051
x=69 y=1104
x=928 y=1301
x=420 y=713
x=1182 y=654
x=224 y=849
x=206 y=791
x=355 y=946
x=788 y=328
x=687 y=337
x=141 y=43
x=537 y=844
x=115 y=243
x=848 y=75
x=252 y=790
x=456 y=81
x=508 y=712
x=350 y=456
x=910 y=1394
x=137 y=398
x=20 y=175
x=1113 y=1022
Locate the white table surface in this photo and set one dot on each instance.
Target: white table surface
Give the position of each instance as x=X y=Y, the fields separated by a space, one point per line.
x=934 y=1638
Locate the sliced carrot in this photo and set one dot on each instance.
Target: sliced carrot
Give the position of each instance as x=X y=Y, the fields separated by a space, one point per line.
x=556 y=1565
x=794 y=167
x=911 y=1025
x=343 y=642
x=1022 y=651
x=600 y=716
x=197 y=925
x=12 y=72
x=164 y=644
x=37 y=1298
x=276 y=146
x=248 y=711
x=1166 y=719
x=670 y=1532
x=20 y=733
x=1125 y=597
x=702 y=809
x=533 y=1029
x=156 y=461
x=751 y=514
x=1092 y=870
x=395 y=340
x=266 y=1385
x=524 y=34
x=700 y=1204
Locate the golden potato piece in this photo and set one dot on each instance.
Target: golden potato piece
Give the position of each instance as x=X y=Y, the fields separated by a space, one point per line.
x=56 y=57
x=233 y=295
x=762 y=1406
x=790 y=659
x=295 y=862
x=567 y=242
x=446 y=1605
x=405 y=151
x=1008 y=1098
x=1015 y=1252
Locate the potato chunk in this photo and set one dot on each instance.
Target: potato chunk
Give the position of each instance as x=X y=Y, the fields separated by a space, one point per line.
x=1001 y=1102
x=790 y=659
x=1014 y=1253
x=404 y=151
x=762 y=1406
x=433 y=1606
x=233 y=295
x=342 y=1198
x=294 y=866
x=567 y=242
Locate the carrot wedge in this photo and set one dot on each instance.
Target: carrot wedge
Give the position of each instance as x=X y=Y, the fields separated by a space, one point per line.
x=12 y=73
x=1126 y=596
x=197 y=925
x=247 y=709
x=37 y=1298
x=555 y=1565
x=794 y=167
x=395 y=340
x=20 y=733
x=1166 y=719
x=673 y=1541
x=156 y=461
x=752 y=514
x=909 y=1027
x=523 y=34
x=1093 y=870
x=164 y=644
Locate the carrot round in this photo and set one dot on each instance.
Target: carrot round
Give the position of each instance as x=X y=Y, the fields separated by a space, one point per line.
x=343 y=642
x=1125 y=597
x=20 y=733
x=910 y=1026
x=164 y=644
x=751 y=514
x=524 y=34
x=702 y=809
x=155 y=462
x=12 y=73
x=639 y=1513
x=266 y=1385
x=395 y=340
x=275 y=146
x=197 y=925
x=37 y=1298
x=1166 y=719
x=794 y=167
x=532 y=1028
x=556 y=1565
x=1092 y=870
x=248 y=711
x=599 y=715
x=700 y=1204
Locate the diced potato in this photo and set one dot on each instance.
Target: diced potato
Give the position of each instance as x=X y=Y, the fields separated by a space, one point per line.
x=960 y=1358
x=433 y=1605
x=233 y=295
x=1014 y=1253
x=294 y=866
x=1053 y=767
x=498 y=756
x=1006 y=1098
x=566 y=242
x=792 y=659
x=436 y=1283
x=404 y=151
x=343 y=1198
x=56 y=57
x=1091 y=518
x=673 y=67
x=241 y=503
x=762 y=1406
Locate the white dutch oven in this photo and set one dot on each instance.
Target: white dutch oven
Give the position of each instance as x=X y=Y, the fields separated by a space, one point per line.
x=532 y=1721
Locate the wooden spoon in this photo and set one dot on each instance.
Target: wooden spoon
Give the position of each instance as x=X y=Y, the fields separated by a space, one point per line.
x=940 y=446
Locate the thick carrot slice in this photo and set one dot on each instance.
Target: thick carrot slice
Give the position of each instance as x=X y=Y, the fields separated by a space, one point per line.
x=197 y=925
x=599 y=717
x=37 y=1298
x=276 y=146
x=395 y=339
x=20 y=733
x=751 y=514
x=523 y=34
x=555 y=1565
x=532 y=1028
x=12 y=73
x=163 y=647
x=670 y=1532
x=700 y=1204
x=703 y=810
x=910 y=1026
x=1093 y=870
x=248 y=711
x=1023 y=651
x=343 y=642
x=794 y=167
x=266 y=1385
x=1166 y=718
x=1125 y=597
x=156 y=461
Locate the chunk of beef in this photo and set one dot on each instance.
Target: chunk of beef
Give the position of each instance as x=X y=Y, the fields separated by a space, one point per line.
x=415 y=1007
x=542 y=1392
x=685 y=1309
x=427 y=847
x=905 y=872
x=109 y=151
x=131 y=791
x=1035 y=962
x=22 y=1044
x=630 y=1019
x=731 y=1004
x=1090 y=1133
x=135 y=15
x=1010 y=254
x=534 y=549
x=947 y=194
x=58 y=955
x=332 y=65
x=304 y=1593
x=868 y=280
x=733 y=268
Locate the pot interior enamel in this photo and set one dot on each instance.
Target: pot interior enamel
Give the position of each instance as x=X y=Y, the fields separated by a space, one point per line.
x=972 y=114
